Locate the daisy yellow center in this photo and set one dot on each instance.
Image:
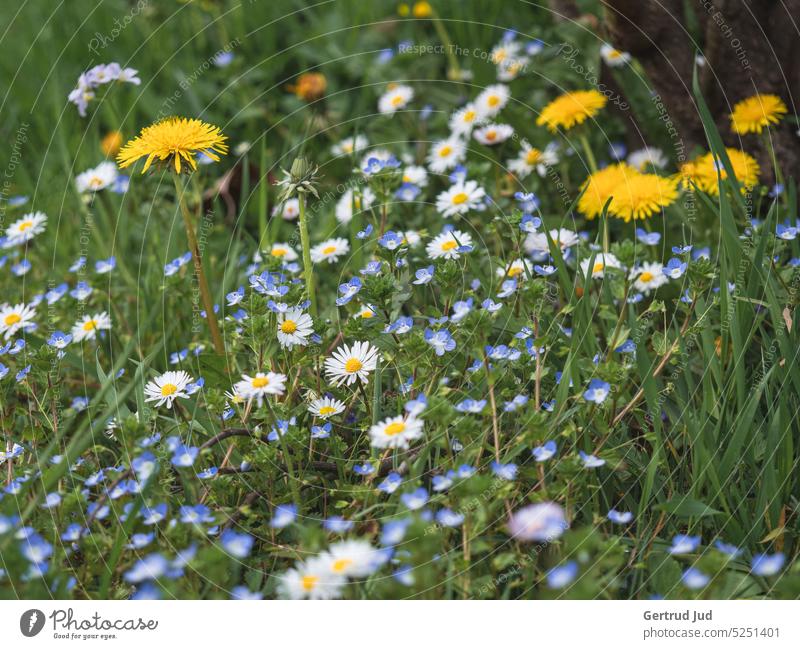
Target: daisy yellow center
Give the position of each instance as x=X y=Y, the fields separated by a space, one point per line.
x=279 y=252
x=449 y=245
x=445 y=151
x=347 y=148
x=514 y=271
x=328 y=250
x=308 y=582
x=614 y=54
x=25 y=225
x=12 y=319
x=646 y=276
x=406 y=178
x=493 y=100
x=533 y=156
x=340 y=565
x=327 y=410
x=353 y=365
x=260 y=382
x=95 y=181
x=459 y=198
x=470 y=116
x=288 y=326
x=367 y=313
x=357 y=202
x=395 y=429
x=168 y=389
x=90 y=325
x=491 y=135
x=598 y=267
x=397 y=100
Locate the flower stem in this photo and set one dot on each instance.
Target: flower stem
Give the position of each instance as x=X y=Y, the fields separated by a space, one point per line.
x=308 y=269
x=205 y=293
x=588 y=152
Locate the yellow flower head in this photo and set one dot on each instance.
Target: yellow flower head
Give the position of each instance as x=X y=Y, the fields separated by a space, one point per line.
x=754 y=114
x=600 y=187
x=422 y=10
x=706 y=171
x=175 y=138
x=111 y=143
x=642 y=195
x=310 y=86
x=571 y=108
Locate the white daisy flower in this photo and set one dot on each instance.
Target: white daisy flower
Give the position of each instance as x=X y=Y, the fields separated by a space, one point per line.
x=411 y=238
x=395 y=98
x=515 y=269
x=350 y=364
x=464 y=120
x=353 y=558
x=447 y=244
x=648 y=277
x=289 y=210
x=647 y=157
x=283 y=251
x=510 y=69
x=493 y=134
x=531 y=158
x=326 y=407
x=311 y=579
x=87 y=327
x=446 y=154
x=492 y=100
x=349 y=146
x=504 y=51
x=613 y=57
x=166 y=388
x=460 y=198
x=93 y=180
x=361 y=201
x=261 y=385
x=329 y=250
x=294 y=328
x=536 y=242
x=416 y=175
x=395 y=432
x=25 y=229
x=602 y=261
x=14 y=318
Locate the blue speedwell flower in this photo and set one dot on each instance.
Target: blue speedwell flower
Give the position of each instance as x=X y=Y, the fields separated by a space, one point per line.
x=598 y=391
x=441 y=341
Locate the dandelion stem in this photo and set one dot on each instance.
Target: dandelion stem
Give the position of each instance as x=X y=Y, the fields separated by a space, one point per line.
x=308 y=270
x=588 y=151
x=205 y=293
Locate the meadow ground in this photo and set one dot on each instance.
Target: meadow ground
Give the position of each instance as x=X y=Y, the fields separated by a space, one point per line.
x=359 y=300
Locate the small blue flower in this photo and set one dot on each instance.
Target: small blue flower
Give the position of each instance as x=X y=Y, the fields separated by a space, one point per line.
x=149 y=568
x=471 y=405
x=185 y=455
x=390 y=483
x=622 y=518
x=104 y=266
x=394 y=531
x=675 y=268
x=348 y=291
x=364 y=469
x=337 y=525
x=238 y=545
x=59 y=339
x=694 y=579
x=283 y=516
x=767 y=565
x=449 y=518
x=545 y=271
x=441 y=341
x=491 y=306
x=727 y=548
x=424 y=275
x=391 y=240
x=363 y=234
x=504 y=471
x=545 y=451
x=684 y=544
x=562 y=576
x=648 y=238
x=597 y=391
x=416 y=499
x=590 y=461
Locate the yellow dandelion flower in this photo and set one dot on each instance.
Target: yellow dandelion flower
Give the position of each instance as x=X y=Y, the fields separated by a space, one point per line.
x=310 y=86
x=422 y=10
x=706 y=171
x=642 y=195
x=571 y=108
x=111 y=143
x=754 y=114
x=600 y=186
x=175 y=138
